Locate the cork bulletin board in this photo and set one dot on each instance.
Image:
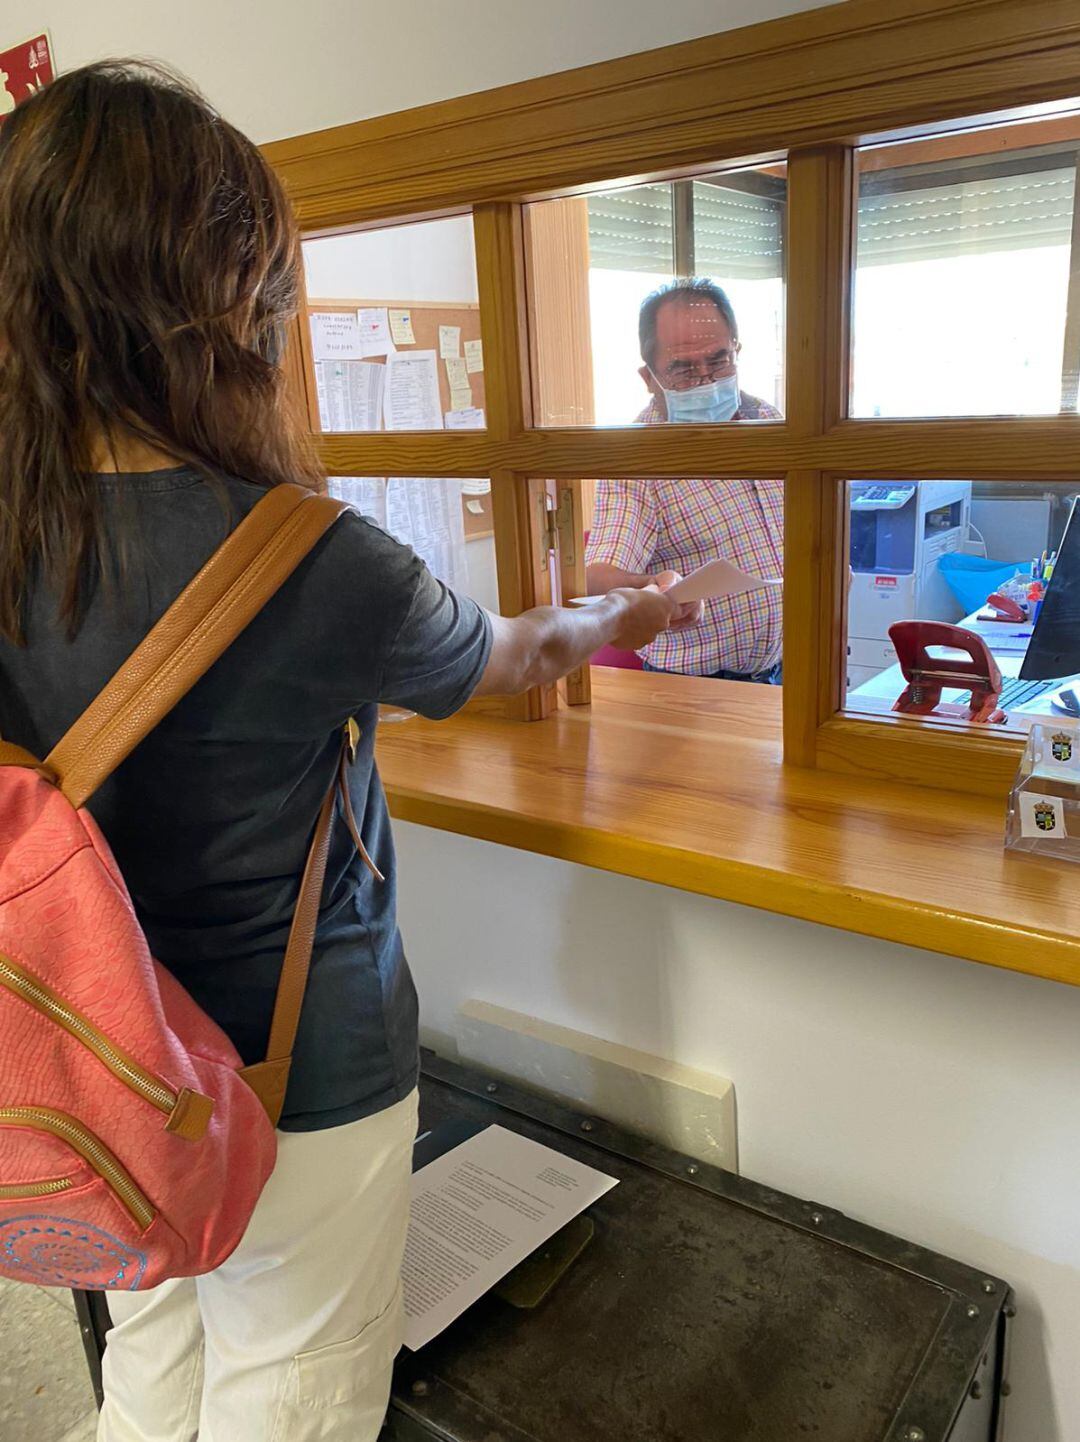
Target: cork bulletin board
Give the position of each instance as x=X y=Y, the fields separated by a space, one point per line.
x=426 y=319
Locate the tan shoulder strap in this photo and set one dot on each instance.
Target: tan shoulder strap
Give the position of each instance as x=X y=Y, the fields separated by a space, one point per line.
x=229 y=591
x=207 y=616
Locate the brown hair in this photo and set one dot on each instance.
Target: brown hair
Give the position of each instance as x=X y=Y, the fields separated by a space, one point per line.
x=148 y=269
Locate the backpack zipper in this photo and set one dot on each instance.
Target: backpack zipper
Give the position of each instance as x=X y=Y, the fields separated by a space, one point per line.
x=91 y=1148
x=24 y=1191
x=36 y=994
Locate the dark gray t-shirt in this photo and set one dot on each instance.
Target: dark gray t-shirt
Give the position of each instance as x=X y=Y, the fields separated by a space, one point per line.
x=211 y=817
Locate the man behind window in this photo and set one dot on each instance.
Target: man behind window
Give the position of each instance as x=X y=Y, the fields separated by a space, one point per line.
x=643 y=528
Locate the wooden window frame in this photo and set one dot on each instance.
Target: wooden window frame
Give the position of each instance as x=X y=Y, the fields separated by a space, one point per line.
x=809 y=88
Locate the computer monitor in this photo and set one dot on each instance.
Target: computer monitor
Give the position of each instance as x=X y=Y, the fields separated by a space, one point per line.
x=1054 y=649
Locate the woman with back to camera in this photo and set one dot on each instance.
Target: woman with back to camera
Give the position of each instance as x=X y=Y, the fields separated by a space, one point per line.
x=148 y=270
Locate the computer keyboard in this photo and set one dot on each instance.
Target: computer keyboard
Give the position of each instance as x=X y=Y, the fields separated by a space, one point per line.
x=1015 y=693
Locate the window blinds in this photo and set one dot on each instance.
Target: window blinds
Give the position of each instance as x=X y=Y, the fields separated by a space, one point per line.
x=737 y=234
x=905 y=218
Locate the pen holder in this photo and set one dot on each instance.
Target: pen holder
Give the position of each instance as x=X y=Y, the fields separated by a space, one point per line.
x=1044 y=804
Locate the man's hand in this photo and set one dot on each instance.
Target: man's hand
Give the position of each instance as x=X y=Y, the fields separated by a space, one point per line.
x=690 y=614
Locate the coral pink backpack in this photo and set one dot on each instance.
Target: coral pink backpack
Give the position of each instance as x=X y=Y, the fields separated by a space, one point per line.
x=133 y=1143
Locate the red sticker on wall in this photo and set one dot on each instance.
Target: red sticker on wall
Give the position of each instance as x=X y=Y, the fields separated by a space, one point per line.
x=24 y=69
x=884 y=580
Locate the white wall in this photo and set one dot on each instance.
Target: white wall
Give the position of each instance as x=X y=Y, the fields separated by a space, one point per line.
x=928 y=1096
x=430 y=260
x=278 y=67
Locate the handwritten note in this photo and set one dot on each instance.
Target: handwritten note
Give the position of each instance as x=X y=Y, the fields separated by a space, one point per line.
x=401 y=327
x=469 y=418
x=457 y=373
x=375 y=330
x=474 y=355
x=335 y=335
x=449 y=341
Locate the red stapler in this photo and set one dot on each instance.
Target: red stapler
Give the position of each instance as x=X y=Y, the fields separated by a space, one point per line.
x=1007 y=610
x=927 y=676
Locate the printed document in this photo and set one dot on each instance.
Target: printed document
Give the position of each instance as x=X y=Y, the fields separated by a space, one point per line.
x=421 y=513
x=411 y=401
x=477 y=1212
x=350 y=394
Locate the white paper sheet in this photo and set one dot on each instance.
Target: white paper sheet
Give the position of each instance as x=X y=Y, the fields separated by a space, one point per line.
x=718 y=578
x=449 y=341
x=366 y=493
x=350 y=394
x=476 y=1213
x=411 y=399
x=335 y=335
x=421 y=513
x=474 y=355
x=374 y=322
x=426 y=515
x=469 y=418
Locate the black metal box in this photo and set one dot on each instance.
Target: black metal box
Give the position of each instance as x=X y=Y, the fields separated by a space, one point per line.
x=706 y=1307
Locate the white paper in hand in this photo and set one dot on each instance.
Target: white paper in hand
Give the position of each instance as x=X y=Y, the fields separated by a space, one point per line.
x=717 y=578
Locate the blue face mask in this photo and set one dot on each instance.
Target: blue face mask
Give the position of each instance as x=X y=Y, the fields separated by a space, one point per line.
x=704 y=405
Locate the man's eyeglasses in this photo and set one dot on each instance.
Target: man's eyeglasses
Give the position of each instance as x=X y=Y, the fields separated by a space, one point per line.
x=687 y=375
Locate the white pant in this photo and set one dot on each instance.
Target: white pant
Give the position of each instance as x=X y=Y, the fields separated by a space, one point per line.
x=293 y=1338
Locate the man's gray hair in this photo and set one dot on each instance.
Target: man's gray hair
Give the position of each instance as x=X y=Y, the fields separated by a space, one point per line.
x=695 y=288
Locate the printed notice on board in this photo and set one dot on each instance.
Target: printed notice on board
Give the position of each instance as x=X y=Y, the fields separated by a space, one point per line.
x=449 y=341
x=411 y=401
x=474 y=355
x=350 y=394
x=426 y=515
x=477 y=1212
x=421 y=513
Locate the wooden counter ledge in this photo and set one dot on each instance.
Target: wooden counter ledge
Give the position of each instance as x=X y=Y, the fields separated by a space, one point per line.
x=679 y=780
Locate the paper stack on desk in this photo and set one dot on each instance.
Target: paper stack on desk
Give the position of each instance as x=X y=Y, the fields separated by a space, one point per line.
x=478 y=1211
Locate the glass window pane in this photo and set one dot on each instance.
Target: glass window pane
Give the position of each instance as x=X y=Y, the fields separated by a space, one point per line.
x=448 y=523
x=711 y=351
x=964 y=254
x=395 y=327
x=936 y=551
x=639 y=529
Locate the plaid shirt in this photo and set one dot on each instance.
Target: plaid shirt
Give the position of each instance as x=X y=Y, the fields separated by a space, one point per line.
x=668 y=525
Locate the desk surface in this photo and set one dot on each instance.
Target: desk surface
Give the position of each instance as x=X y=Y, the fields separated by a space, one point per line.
x=679 y=780
x=1008 y=650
